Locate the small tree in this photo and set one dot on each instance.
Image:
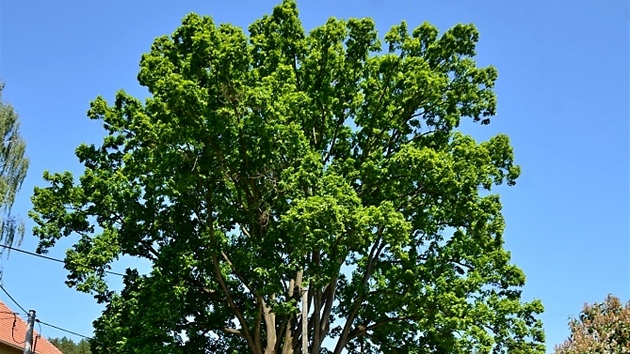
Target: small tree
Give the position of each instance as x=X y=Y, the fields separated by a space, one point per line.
x=294 y=188
x=600 y=328
x=13 y=167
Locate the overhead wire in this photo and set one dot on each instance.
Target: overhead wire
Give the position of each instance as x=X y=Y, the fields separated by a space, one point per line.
x=12 y=299
x=62 y=329
x=31 y=253
x=49 y=258
x=24 y=310
x=36 y=319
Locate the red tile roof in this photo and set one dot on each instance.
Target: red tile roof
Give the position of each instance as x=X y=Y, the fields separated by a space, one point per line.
x=13 y=326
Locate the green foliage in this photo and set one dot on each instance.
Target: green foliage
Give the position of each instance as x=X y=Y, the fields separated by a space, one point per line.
x=13 y=167
x=68 y=346
x=279 y=162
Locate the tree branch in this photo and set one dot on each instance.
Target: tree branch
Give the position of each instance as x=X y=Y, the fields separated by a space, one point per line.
x=372 y=258
x=362 y=329
x=233 y=331
x=253 y=346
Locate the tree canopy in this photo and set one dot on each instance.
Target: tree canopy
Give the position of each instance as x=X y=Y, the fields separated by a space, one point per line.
x=68 y=346
x=600 y=328
x=13 y=167
x=279 y=168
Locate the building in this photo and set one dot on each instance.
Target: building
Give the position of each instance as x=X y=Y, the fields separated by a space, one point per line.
x=13 y=333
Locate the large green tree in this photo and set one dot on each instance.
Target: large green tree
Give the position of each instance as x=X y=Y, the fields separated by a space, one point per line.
x=13 y=167
x=281 y=167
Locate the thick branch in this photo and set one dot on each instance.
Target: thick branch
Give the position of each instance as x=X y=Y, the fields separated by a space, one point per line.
x=253 y=346
x=238 y=275
x=270 y=326
x=334 y=139
x=372 y=258
x=362 y=329
x=234 y=331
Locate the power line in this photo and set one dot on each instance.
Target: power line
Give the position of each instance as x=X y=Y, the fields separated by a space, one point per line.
x=14 y=314
x=63 y=329
x=24 y=310
x=37 y=320
x=31 y=253
x=12 y=299
x=49 y=258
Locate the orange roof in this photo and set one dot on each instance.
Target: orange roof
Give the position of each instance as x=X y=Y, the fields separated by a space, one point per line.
x=8 y=331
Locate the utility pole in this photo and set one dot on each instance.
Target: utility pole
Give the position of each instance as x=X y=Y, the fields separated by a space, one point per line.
x=304 y=321
x=28 y=342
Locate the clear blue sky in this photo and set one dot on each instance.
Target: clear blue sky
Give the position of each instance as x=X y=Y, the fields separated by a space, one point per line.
x=563 y=99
